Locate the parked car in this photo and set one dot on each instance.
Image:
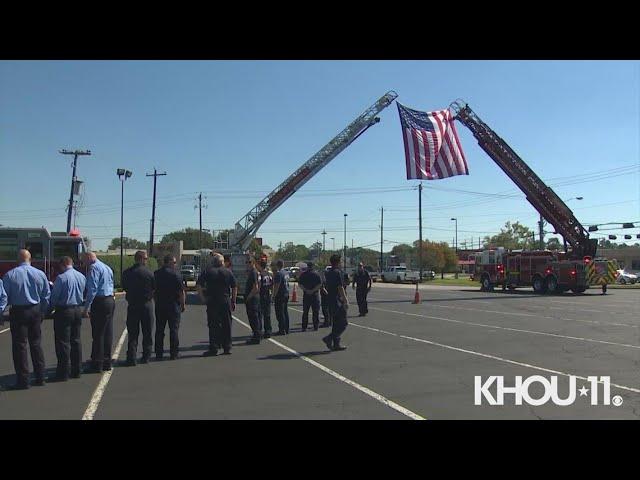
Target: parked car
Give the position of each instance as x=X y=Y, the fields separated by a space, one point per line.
x=625 y=277
x=399 y=274
x=188 y=272
x=428 y=275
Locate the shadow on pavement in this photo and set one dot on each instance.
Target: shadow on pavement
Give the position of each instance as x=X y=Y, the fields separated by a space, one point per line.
x=290 y=356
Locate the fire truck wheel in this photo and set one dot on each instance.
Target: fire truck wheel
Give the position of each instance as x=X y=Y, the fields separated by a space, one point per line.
x=552 y=284
x=539 y=285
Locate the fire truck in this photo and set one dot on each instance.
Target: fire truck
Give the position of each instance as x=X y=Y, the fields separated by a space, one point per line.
x=574 y=269
x=46 y=248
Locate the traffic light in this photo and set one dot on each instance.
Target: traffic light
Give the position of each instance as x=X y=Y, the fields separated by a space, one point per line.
x=627 y=237
x=593 y=228
x=628 y=225
x=612 y=237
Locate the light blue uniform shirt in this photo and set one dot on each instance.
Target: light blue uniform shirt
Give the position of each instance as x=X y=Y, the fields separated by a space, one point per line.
x=26 y=285
x=68 y=289
x=3 y=298
x=99 y=282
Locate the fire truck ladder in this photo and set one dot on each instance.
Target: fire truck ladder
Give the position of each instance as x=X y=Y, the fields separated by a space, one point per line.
x=247 y=226
x=539 y=195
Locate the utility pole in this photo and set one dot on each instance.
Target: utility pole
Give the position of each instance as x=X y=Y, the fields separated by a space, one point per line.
x=324 y=234
x=199 y=207
x=541 y=232
x=155 y=176
x=420 y=228
x=381 y=237
x=75 y=154
x=345 y=241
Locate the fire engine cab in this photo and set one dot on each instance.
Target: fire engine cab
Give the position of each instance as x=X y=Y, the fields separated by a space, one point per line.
x=46 y=248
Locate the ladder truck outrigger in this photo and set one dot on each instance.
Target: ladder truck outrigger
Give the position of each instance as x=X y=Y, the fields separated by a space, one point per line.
x=574 y=269
x=245 y=229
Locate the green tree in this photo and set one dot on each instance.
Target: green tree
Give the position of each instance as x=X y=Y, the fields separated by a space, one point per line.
x=255 y=249
x=554 y=244
x=127 y=243
x=293 y=253
x=404 y=252
x=190 y=237
x=433 y=256
x=513 y=236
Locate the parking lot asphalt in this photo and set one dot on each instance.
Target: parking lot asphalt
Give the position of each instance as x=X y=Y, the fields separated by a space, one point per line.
x=404 y=361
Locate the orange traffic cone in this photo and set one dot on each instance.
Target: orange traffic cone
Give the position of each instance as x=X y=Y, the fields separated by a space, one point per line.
x=416 y=298
x=294 y=297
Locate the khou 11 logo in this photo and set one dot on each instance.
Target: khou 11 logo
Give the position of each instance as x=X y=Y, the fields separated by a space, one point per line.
x=521 y=393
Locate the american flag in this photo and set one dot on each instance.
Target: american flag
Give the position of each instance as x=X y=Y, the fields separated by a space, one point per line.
x=431 y=145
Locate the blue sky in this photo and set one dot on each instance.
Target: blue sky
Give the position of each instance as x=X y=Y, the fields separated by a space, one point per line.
x=235 y=129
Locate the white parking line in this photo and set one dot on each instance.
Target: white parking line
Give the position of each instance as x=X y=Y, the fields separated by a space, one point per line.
x=492 y=327
x=365 y=390
x=519 y=314
x=5 y=330
x=106 y=376
x=493 y=357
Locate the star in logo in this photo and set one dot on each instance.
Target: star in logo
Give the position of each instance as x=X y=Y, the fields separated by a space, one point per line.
x=583 y=391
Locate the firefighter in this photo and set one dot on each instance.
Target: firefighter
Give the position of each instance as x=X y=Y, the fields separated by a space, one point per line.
x=311 y=284
x=100 y=302
x=338 y=304
x=217 y=289
x=139 y=283
x=170 y=298
x=281 y=299
x=324 y=302
x=363 y=281
x=67 y=297
x=252 y=302
x=26 y=289
x=266 y=284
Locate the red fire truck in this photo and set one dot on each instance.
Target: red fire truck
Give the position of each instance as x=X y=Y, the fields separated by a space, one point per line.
x=46 y=248
x=544 y=270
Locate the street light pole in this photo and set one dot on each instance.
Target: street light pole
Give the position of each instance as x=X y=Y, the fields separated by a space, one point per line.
x=334 y=243
x=122 y=175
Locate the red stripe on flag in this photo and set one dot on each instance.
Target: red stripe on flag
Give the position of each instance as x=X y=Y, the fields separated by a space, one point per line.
x=441 y=153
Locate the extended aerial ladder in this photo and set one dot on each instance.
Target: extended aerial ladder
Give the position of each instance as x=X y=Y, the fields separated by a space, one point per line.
x=539 y=195
x=246 y=228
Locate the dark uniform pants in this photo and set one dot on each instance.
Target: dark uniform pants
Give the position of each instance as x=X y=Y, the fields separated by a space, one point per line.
x=282 y=314
x=66 y=326
x=169 y=313
x=25 y=327
x=219 y=322
x=265 y=307
x=361 y=298
x=102 y=309
x=140 y=315
x=324 y=302
x=255 y=316
x=339 y=317
x=313 y=302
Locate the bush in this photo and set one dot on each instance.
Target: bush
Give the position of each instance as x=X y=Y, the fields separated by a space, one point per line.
x=114 y=262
